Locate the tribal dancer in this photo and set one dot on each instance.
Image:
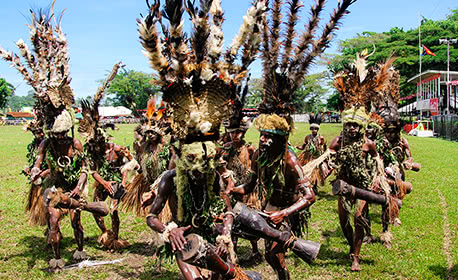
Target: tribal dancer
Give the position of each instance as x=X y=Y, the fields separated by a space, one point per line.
x=237 y=154
x=392 y=147
x=107 y=162
x=360 y=177
x=313 y=147
x=198 y=87
x=47 y=72
x=154 y=156
x=275 y=168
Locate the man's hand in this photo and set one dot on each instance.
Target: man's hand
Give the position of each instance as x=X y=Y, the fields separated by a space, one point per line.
x=176 y=238
x=276 y=216
x=221 y=251
x=109 y=186
x=34 y=173
x=76 y=192
x=408 y=164
x=229 y=189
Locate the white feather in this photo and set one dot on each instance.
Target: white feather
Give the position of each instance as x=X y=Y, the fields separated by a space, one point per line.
x=188 y=81
x=215 y=7
x=207 y=74
x=205 y=127
x=195 y=116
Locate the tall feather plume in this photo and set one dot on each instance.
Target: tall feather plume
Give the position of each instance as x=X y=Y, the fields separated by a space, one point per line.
x=307 y=36
x=386 y=85
x=238 y=100
x=150 y=108
x=89 y=125
x=15 y=62
x=251 y=38
x=356 y=83
x=323 y=42
x=106 y=84
x=384 y=74
x=173 y=11
x=294 y=8
x=248 y=31
x=281 y=81
x=150 y=39
x=216 y=37
x=201 y=28
x=275 y=32
x=266 y=61
x=46 y=66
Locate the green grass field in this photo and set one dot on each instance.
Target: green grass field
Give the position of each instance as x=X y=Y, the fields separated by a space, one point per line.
x=425 y=246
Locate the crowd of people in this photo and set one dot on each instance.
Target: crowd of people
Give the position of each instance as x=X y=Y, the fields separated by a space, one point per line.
x=199 y=189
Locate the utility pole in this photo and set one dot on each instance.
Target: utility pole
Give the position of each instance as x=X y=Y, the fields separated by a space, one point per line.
x=448 y=42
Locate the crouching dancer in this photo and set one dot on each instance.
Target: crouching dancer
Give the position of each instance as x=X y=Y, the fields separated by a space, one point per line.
x=47 y=71
x=288 y=194
x=65 y=186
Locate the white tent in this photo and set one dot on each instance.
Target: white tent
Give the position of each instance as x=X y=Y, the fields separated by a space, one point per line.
x=110 y=111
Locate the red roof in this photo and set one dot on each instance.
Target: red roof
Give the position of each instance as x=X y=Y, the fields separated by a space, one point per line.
x=20 y=114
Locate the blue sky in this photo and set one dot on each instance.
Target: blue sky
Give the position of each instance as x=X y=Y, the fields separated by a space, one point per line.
x=102 y=32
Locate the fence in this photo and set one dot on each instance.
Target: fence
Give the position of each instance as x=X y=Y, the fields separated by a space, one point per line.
x=446 y=126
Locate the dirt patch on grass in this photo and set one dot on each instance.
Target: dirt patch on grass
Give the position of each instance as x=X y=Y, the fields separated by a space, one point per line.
x=446 y=229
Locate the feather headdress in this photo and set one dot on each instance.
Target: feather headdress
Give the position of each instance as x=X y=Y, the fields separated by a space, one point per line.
x=386 y=97
x=286 y=61
x=364 y=89
x=356 y=83
x=89 y=125
x=153 y=116
x=46 y=68
x=198 y=81
x=236 y=120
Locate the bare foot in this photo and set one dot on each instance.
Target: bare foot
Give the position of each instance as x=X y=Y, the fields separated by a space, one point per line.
x=79 y=255
x=56 y=264
x=355 y=265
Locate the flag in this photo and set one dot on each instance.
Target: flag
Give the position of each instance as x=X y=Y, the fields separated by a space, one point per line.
x=427 y=51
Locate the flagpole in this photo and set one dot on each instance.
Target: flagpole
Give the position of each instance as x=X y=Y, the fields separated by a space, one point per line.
x=419 y=55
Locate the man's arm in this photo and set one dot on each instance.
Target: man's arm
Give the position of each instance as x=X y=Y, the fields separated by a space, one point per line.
x=306 y=140
x=307 y=197
x=84 y=170
x=335 y=144
x=171 y=232
x=323 y=143
x=406 y=145
x=106 y=184
x=36 y=170
x=164 y=190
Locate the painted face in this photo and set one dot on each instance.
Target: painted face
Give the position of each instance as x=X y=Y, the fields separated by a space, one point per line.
x=39 y=134
x=314 y=131
x=265 y=141
x=351 y=129
x=59 y=137
x=198 y=159
x=391 y=134
x=269 y=142
x=371 y=132
x=151 y=136
x=237 y=136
